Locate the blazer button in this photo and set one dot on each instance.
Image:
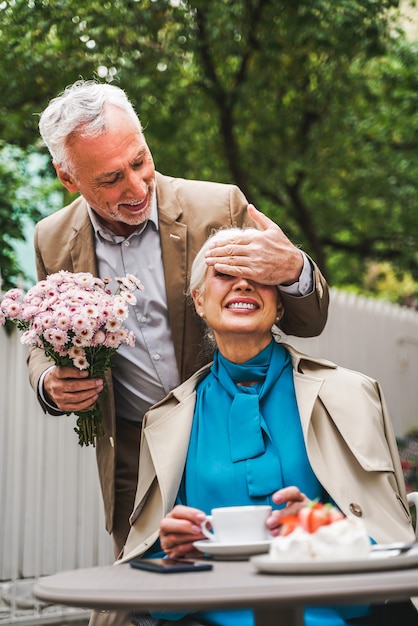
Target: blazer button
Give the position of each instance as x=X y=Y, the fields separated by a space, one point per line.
x=356 y=509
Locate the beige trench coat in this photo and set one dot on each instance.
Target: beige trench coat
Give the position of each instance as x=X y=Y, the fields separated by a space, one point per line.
x=349 y=440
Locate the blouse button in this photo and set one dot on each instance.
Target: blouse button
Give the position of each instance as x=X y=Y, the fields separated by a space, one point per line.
x=356 y=509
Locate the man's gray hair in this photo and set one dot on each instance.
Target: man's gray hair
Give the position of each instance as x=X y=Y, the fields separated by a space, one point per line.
x=79 y=109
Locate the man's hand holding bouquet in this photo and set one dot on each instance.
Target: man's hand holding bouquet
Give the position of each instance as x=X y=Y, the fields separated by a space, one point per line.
x=78 y=322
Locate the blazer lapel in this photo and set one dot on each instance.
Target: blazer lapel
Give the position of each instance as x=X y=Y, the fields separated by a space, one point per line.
x=81 y=241
x=173 y=236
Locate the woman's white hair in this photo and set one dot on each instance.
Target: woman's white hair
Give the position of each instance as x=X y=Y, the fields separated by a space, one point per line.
x=80 y=108
x=199 y=267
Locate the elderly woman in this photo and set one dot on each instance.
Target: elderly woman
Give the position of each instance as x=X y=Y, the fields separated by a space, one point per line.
x=263 y=424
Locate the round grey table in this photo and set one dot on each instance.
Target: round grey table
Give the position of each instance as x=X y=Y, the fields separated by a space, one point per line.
x=276 y=599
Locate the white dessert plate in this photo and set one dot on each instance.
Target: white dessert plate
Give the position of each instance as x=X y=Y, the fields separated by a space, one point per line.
x=375 y=561
x=232 y=550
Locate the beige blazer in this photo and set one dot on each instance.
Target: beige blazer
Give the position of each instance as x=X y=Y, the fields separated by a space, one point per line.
x=348 y=435
x=188 y=212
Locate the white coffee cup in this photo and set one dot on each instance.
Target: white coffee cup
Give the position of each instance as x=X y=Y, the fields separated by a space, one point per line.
x=237 y=524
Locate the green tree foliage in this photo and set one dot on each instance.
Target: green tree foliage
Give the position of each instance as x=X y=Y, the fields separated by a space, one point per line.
x=21 y=201
x=309 y=106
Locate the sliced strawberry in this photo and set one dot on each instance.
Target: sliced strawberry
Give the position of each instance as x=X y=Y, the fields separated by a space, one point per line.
x=319 y=517
x=311 y=517
x=316 y=514
x=288 y=524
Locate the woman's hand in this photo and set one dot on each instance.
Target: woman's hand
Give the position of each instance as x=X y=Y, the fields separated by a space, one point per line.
x=294 y=500
x=179 y=529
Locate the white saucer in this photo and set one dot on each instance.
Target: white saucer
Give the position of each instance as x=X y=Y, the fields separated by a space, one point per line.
x=383 y=561
x=232 y=550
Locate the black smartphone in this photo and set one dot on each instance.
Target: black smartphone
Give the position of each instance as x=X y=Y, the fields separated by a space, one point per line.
x=170 y=566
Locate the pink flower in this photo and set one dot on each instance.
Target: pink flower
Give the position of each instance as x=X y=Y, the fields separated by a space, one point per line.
x=128 y=297
x=106 y=311
x=31 y=312
x=29 y=338
x=125 y=282
x=120 y=309
x=130 y=339
x=131 y=282
x=34 y=300
x=77 y=341
x=14 y=294
x=90 y=310
x=85 y=280
x=57 y=338
x=122 y=335
x=75 y=319
x=11 y=309
x=36 y=325
x=79 y=322
x=47 y=320
x=99 y=338
x=80 y=362
x=112 y=324
x=85 y=335
x=112 y=340
x=62 y=320
x=75 y=351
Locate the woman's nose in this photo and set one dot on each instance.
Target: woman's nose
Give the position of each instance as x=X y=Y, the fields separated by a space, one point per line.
x=243 y=284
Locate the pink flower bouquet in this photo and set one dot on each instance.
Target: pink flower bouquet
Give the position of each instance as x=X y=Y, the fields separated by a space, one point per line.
x=77 y=322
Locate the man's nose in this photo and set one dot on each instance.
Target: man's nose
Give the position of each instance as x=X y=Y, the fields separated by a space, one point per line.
x=135 y=182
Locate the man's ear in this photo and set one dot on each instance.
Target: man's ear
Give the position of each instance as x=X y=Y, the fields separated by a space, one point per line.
x=67 y=180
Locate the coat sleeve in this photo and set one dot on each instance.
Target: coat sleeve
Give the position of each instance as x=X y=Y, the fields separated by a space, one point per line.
x=304 y=316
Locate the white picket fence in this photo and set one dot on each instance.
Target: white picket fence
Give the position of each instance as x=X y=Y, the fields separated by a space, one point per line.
x=51 y=515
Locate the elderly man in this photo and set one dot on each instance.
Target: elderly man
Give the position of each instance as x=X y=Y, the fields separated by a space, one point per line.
x=130 y=218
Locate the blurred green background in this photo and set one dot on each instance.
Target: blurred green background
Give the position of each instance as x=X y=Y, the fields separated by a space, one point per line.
x=310 y=106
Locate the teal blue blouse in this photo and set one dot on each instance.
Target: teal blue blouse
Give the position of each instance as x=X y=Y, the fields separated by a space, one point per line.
x=246 y=442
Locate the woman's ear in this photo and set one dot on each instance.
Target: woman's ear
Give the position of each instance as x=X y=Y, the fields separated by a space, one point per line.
x=198 y=302
x=280 y=310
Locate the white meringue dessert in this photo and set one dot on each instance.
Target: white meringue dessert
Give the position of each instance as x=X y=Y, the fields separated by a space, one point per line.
x=343 y=540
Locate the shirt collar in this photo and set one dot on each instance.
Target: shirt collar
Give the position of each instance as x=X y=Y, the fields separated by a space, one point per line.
x=107 y=234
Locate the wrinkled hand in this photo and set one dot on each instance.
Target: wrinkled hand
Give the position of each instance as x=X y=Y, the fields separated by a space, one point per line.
x=267 y=257
x=179 y=529
x=294 y=500
x=71 y=389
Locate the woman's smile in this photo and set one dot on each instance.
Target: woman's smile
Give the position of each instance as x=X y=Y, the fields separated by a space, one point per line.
x=243 y=305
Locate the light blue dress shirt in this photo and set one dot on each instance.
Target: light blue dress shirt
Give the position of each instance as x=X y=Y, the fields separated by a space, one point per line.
x=145 y=373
